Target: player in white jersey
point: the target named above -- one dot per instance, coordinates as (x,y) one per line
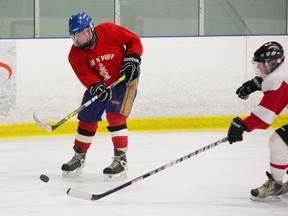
(272,79)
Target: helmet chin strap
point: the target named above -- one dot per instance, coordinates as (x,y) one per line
(267,68)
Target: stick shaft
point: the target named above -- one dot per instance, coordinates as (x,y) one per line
(83,195)
(50,128)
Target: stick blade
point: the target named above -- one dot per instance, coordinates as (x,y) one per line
(74,192)
(42,124)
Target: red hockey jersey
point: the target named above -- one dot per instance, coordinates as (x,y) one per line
(103,63)
(274,101)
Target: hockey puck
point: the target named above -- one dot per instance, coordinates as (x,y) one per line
(44,178)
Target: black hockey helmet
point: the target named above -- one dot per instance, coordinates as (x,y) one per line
(269,51)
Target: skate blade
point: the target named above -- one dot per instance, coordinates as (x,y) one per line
(115,177)
(267,199)
(67,174)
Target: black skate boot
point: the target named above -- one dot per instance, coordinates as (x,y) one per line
(75,164)
(285,189)
(270,191)
(118,168)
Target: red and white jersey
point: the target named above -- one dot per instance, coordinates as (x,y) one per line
(274,101)
(103,63)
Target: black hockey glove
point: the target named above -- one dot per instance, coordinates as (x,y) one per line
(236,130)
(248,87)
(101,91)
(130,68)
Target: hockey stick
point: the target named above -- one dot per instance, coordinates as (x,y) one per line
(74,192)
(50,128)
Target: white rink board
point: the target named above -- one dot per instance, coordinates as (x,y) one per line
(180,76)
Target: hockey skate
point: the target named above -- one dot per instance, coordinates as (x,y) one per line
(270,191)
(75,165)
(285,190)
(118,168)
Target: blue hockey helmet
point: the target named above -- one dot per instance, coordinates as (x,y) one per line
(79,23)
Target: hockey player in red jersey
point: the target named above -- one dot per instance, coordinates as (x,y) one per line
(99,56)
(272,80)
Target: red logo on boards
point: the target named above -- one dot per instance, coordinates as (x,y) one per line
(7,68)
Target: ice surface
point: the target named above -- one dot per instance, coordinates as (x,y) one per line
(216,182)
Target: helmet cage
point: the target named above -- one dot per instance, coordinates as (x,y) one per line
(74,37)
(262,69)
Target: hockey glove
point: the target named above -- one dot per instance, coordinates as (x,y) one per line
(236,130)
(248,87)
(130,68)
(101,91)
